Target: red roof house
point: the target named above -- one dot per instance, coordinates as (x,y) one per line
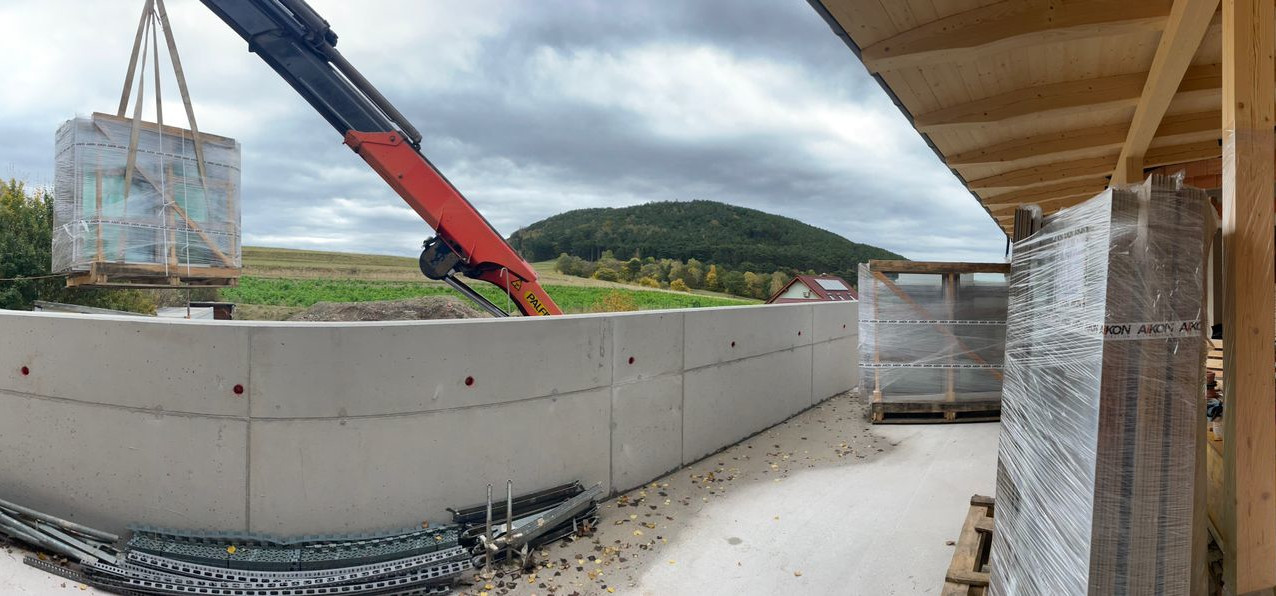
(815,288)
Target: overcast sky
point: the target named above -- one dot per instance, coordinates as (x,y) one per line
(530,108)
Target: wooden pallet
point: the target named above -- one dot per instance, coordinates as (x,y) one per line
(125,275)
(968,571)
(930,412)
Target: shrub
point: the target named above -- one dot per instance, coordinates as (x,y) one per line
(606,274)
(679,285)
(615,301)
(649,282)
(26,245)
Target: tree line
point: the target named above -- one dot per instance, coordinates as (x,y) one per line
(734,238)
(674,274)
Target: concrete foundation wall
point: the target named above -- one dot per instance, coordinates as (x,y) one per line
(319,427)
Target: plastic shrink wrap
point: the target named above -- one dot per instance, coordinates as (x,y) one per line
(931,337)
(1102,398)
(169,223)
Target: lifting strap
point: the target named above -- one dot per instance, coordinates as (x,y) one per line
(155,16)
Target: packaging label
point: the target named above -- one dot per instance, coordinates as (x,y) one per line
(1150,330)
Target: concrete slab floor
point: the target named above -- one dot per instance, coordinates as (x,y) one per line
(18,578)
(823,503)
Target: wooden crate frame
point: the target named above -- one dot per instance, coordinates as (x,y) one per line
(124,275)
(931,411)
(105,273)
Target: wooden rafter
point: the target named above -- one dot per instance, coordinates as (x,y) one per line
(1039,194)
(1184,30)
(1069,97)
(1042,174)
(1047,205)
(1111,136)
(1092,166)
(1010,25)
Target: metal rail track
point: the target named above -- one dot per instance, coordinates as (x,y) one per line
(409,561)
(326,555)
(436,575)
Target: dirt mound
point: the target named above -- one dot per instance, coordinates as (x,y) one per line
(412,309)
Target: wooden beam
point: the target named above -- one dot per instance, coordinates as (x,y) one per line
(1069,97)
(1249,451)
(1009,25)
(1095,166)
(1111,136)
(1186,27)
(1047,206)
(1172,154)
(895,266)
(1042,174)
(1129,168)
(1038,194)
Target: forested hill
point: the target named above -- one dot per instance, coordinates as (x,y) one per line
(735,237)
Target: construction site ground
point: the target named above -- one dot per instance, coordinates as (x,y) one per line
(823,503)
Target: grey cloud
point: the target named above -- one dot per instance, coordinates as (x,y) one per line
(521,151)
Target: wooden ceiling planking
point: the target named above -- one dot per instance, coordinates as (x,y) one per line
(1074,96)
(1094,166)
(1006,112)
(1011,25)
(1175,128)
(864,21)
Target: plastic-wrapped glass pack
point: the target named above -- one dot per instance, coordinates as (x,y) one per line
(931,337)
(169,223)
(1102,404)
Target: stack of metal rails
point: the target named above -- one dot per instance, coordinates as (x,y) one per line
(527,523)
(417,561)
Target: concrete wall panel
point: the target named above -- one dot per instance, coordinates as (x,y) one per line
(652,340)
(360,473)
(728,402)
(754,331)
(106,466)
(126,361)
(646,430)
(359,426)
(836,368)
(377,369)
(834,320)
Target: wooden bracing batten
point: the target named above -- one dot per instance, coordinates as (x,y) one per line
(931,348)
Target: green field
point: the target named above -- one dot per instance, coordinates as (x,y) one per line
(278,282)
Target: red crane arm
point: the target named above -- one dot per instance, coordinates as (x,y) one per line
(301,47)
(486,255)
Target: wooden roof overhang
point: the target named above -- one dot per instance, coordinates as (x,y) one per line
(1045,101)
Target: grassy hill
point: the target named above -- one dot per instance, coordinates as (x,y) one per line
(278,282)
(737,237)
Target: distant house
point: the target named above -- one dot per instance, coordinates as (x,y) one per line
(815,288)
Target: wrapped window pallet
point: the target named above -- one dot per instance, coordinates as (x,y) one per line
(163,224)
(931,341)
(1102,407)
